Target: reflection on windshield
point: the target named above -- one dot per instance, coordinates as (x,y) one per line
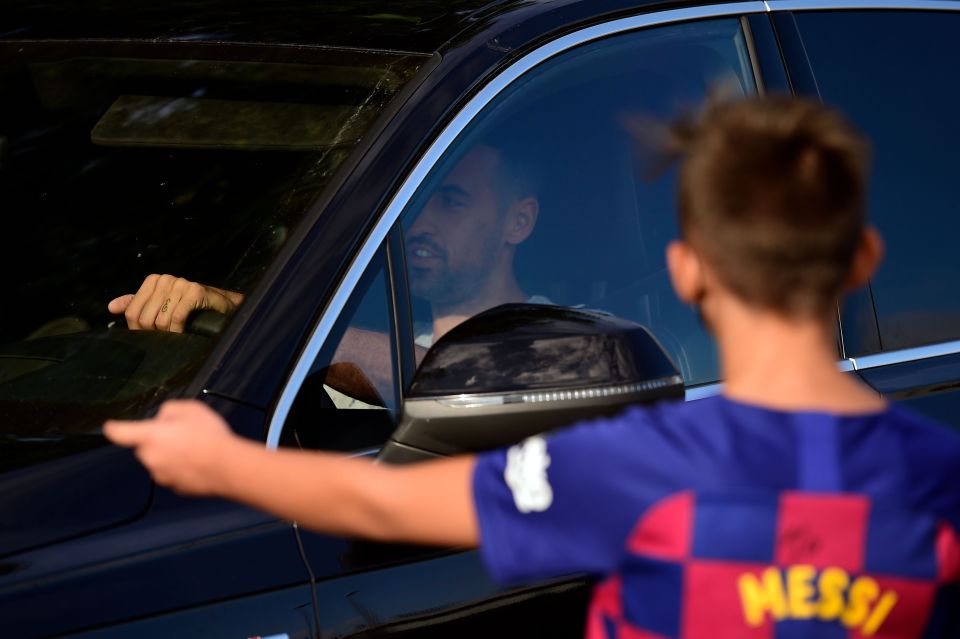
(117,161)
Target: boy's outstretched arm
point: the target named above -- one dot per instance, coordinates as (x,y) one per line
(190,448)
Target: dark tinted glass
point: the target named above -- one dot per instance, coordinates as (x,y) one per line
(548,198)
(895,75)
(118,160)
(349,399)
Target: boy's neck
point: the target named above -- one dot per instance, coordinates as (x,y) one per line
(784,363)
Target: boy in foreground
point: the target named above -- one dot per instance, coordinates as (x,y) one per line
(798,502)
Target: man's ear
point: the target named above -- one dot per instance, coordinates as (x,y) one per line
(520,220)
(866,259)
(686,272)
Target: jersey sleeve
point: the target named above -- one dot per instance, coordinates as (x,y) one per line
(565,503)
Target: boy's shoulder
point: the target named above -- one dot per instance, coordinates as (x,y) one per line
(933,447)
(676,421)
(912,422)
(674,443)
(718,411)
(718,426)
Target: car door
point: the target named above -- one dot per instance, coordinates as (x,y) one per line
(891,71)
(560,127)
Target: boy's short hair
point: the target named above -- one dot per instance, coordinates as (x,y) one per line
(772,194)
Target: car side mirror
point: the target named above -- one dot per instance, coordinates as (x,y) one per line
(521,369)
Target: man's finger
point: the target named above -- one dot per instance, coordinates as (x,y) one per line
(124,433)
(132,313)
(190,298)
(168,312)
(119,304)
(174,408)
(158,304)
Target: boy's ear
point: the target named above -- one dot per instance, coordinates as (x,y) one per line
(866,259)
(521,219)
(686,272)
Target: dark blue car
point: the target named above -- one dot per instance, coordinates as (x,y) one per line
(289,153)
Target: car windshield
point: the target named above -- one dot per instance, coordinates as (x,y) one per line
(118,160)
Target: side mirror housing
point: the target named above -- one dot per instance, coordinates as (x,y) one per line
(521,369)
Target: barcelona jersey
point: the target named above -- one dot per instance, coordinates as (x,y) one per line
(715,519)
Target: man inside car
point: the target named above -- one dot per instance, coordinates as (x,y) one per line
(460,258)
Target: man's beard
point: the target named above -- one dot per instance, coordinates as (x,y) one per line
(446,288)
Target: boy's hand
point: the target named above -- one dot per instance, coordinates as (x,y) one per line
(189,448)
(164,302)
(183,447)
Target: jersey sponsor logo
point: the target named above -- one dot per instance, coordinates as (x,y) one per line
(526,475)
(801,592)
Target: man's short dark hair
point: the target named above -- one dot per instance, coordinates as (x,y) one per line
(517,170)
(772,194)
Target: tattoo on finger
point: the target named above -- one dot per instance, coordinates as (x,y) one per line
(163,309)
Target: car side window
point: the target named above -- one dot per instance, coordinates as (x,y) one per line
(548,197)
(349,399)
(893,73)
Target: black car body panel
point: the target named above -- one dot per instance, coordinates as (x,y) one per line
(227,551)
(41,501)
(89,547)
(419,26)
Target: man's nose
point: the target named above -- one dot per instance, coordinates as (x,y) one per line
(426,220)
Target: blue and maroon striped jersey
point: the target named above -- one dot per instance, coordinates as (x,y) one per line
(721,519)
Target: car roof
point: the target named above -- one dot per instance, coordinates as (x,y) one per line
(417,26)
(420,26)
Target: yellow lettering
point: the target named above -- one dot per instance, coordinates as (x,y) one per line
(761,596)
(800,590)
(879,614)
(863,592)
(833,582)
(829,595)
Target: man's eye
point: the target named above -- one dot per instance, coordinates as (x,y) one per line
(453,202)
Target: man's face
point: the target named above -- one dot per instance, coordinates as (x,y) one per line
(457,238)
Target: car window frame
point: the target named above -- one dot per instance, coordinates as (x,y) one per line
(400,337)
(492,87)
